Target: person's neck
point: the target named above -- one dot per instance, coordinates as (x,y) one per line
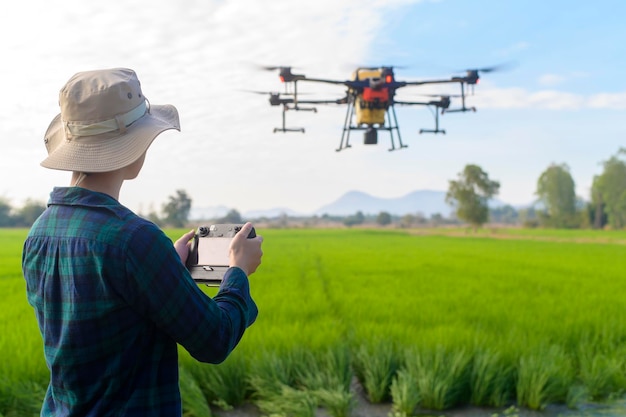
(109,183)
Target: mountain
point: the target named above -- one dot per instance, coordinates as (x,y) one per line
(427,202)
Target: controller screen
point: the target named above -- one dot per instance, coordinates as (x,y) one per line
(213,251)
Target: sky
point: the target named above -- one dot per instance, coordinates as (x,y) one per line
(559,98)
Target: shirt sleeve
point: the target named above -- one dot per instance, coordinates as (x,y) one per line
(162,290)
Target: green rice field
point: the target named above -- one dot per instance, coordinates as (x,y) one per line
(423,320)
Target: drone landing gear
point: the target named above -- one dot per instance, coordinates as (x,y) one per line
(285,129)
(292,129)
(463,107)
(436,129)
(393,125)
(346,127)
(370,136)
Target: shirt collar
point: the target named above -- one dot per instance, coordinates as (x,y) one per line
(77,196)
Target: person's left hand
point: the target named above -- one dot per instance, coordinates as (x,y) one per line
(182,245)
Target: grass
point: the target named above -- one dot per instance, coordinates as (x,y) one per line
(421,320)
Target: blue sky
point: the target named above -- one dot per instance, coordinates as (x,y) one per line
(561,99)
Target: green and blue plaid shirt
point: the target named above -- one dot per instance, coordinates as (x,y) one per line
(113,299)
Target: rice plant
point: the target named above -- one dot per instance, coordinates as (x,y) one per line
(404,394)
(289,402)
(544,377)
(269,374)
(376,365)
(441,375)
(533,319)
(194,402)
(225,385)
(603,374)
(324,370)
(491,379)
(337,402)
(23,398)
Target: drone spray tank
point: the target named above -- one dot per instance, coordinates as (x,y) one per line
(372,104)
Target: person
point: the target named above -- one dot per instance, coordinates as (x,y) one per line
(110,291)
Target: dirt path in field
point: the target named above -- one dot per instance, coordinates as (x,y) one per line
(365,409)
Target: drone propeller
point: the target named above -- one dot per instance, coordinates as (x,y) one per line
(261,92)
(284,72)
(272,67)
(276,93)
(493,68)
(486,69)
(440,95)
(473,75)
(272,93)
(277,67)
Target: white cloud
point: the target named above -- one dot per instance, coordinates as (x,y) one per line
(608,101)
(519,98)
(556,79)
(554,100)
(551,79)
(198,55)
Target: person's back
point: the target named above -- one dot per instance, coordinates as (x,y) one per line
(113,298)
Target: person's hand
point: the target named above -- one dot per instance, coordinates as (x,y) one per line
(182,245)
(245,253)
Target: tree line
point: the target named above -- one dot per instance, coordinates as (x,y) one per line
(557,205)
(174,213)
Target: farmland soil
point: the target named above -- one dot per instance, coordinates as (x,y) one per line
(366,409)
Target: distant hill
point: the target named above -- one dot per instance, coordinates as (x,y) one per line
(427,202)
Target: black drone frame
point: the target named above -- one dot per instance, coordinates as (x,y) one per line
(355,87)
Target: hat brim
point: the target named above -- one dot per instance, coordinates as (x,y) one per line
(104,153)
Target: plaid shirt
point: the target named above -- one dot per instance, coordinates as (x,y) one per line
(113,299)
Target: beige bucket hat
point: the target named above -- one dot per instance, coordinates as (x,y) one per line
(106,123)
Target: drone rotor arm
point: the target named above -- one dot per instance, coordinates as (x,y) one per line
(336,101)
(451,80)
(325,81)
(411,103)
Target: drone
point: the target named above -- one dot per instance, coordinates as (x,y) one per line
(370,99)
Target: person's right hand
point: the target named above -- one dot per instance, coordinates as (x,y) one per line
(245,253)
